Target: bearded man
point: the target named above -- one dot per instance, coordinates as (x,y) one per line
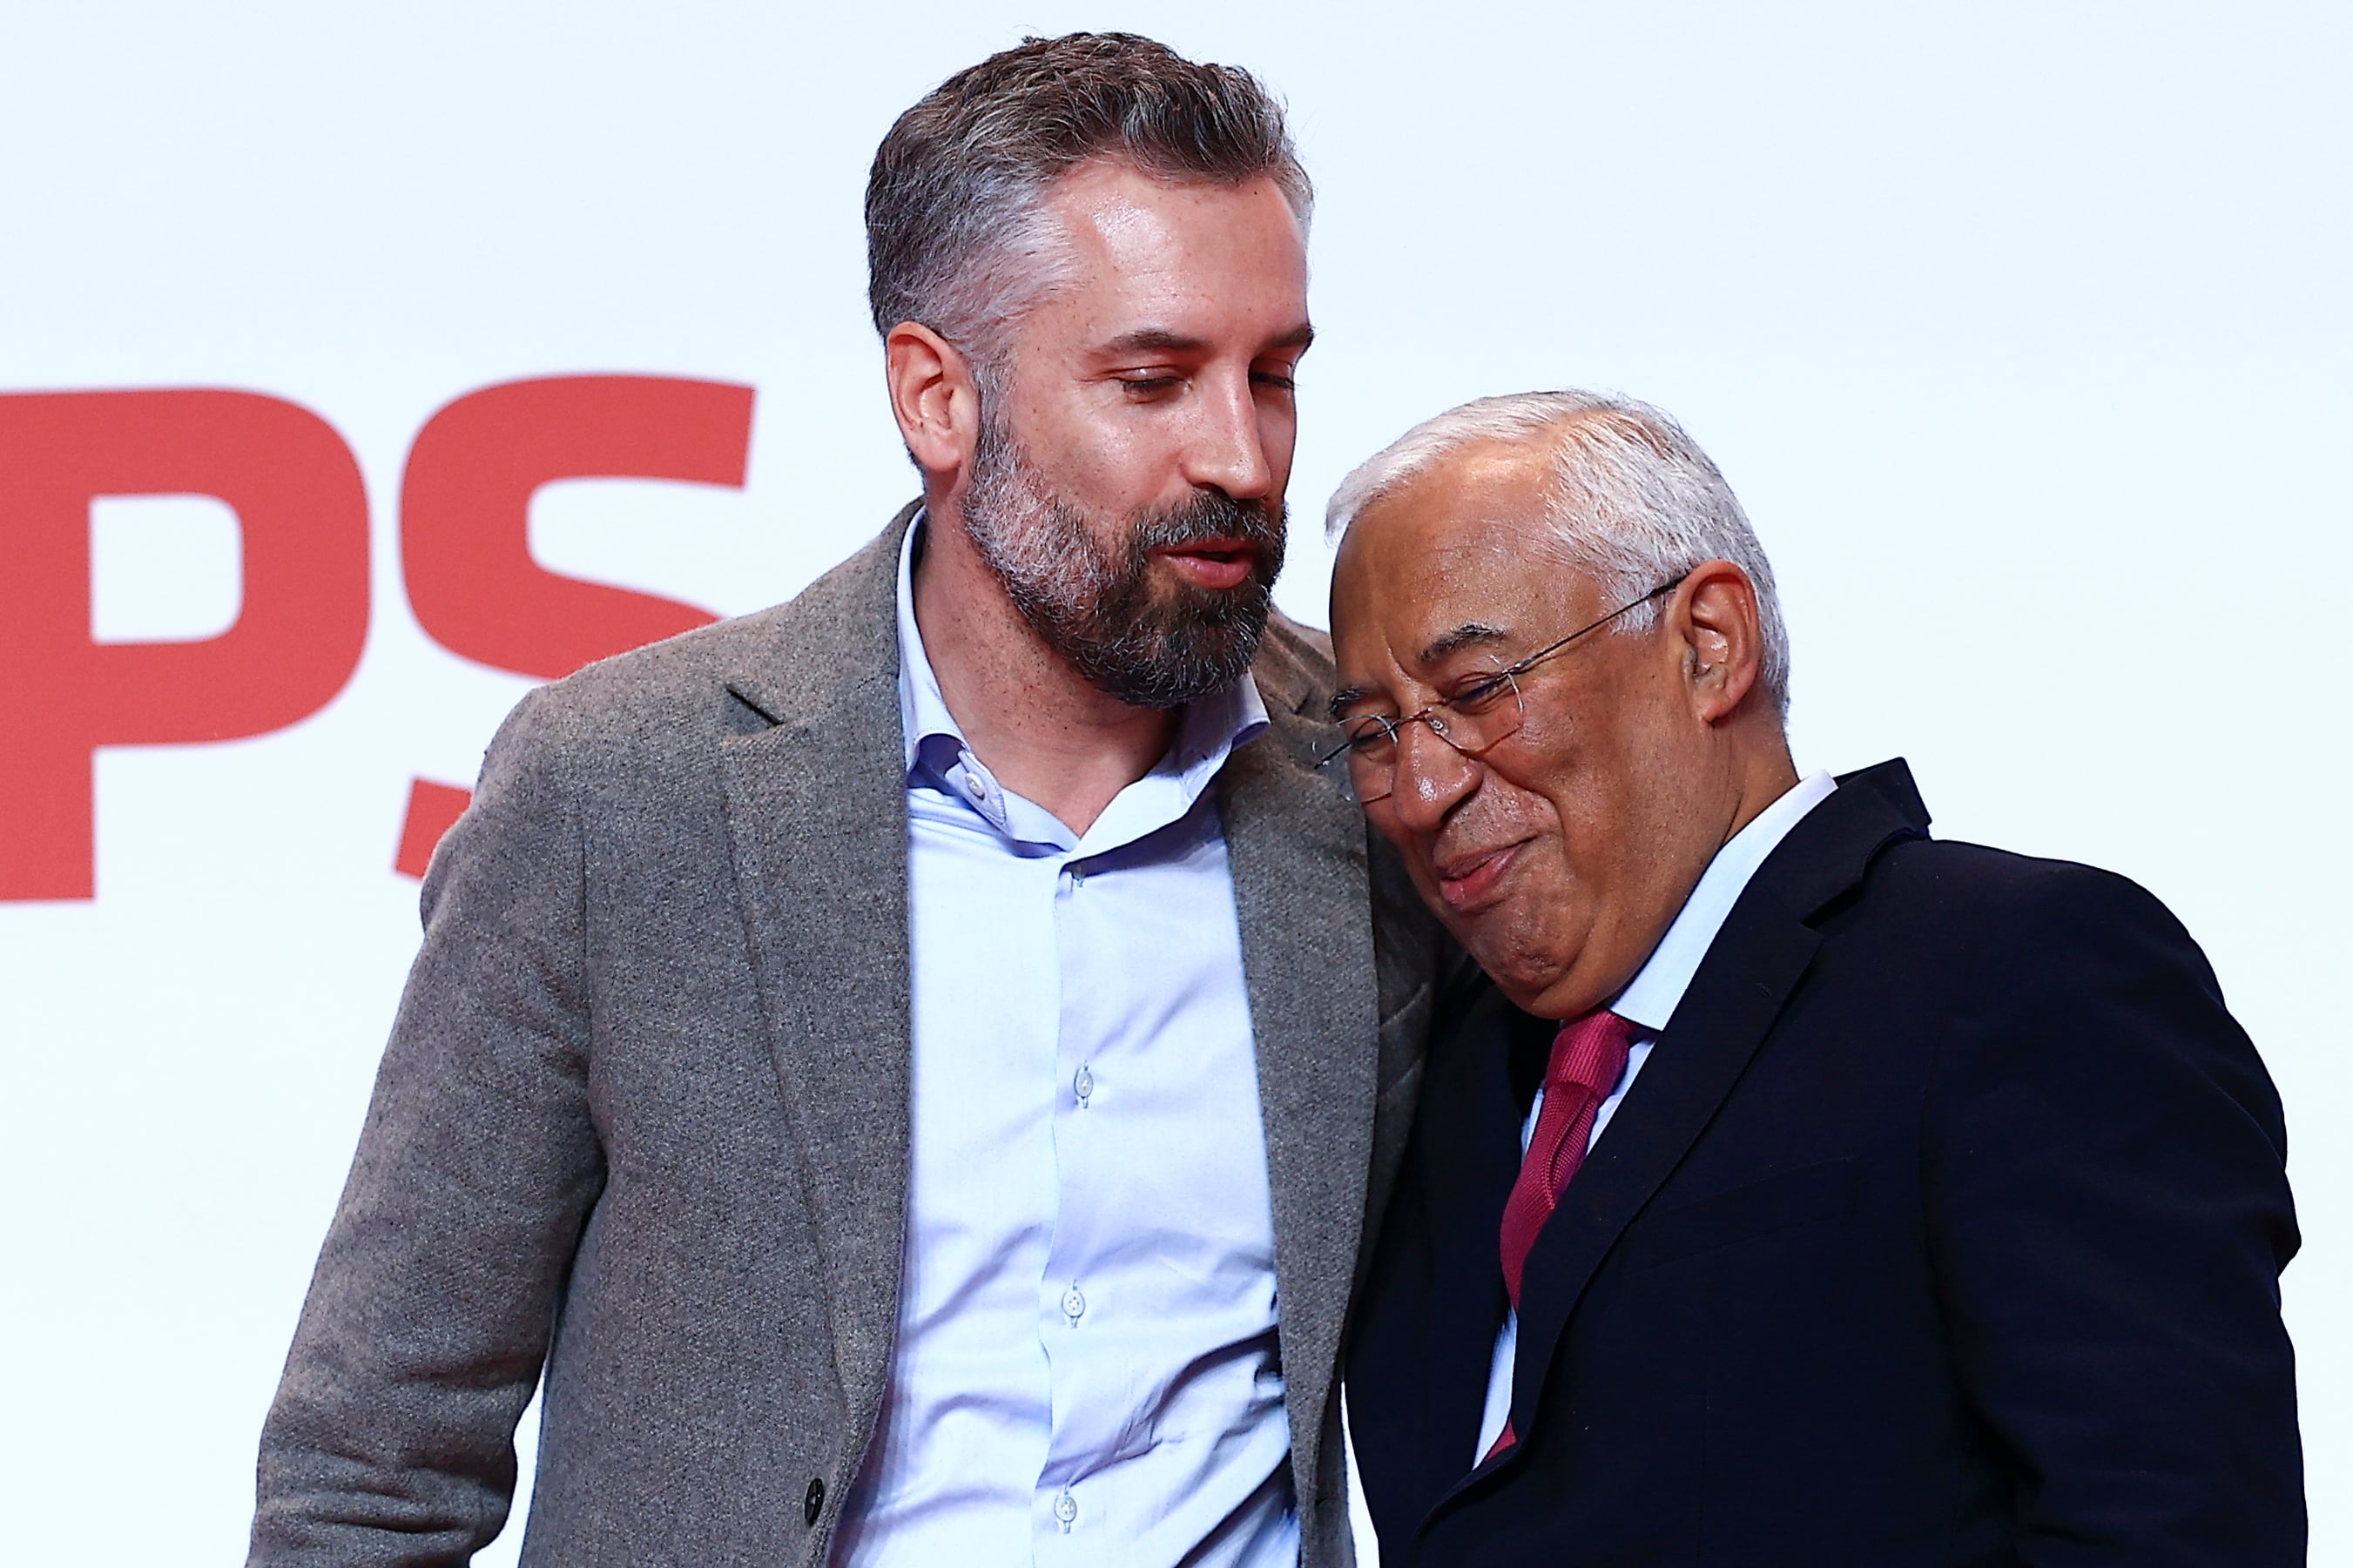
(889,1054)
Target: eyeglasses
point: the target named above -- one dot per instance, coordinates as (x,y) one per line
(1471,720)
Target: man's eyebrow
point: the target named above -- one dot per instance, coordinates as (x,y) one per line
(1161,340)
(1155,340)
(1470,634)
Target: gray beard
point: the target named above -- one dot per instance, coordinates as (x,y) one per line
(1151,645)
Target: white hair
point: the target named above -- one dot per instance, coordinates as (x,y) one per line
(1634,502)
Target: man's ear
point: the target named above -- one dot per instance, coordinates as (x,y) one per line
(1713,618)
(933,397)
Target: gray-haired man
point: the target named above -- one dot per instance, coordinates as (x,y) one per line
(889,1054)
(1806,1191)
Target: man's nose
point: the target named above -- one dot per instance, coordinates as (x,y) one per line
(1228,448)
(1433,777)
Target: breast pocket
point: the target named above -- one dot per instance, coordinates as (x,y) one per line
(1779,1202)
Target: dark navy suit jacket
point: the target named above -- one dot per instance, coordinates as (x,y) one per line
(1942,1229)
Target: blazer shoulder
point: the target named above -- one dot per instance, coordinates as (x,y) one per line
(2018,933)
(733,675)
(1979,884)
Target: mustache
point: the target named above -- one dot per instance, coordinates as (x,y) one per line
(1212,515)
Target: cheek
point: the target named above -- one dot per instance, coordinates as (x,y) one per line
(1277,433)
(1090,454)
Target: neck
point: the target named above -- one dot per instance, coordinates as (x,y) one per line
(1031,718)
(1762,774)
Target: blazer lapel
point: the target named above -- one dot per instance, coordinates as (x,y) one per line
(1701,1055)
(1470,1187)
(1298,853)
(817,816)
(1756,959)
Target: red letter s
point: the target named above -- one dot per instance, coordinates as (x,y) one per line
(465,505)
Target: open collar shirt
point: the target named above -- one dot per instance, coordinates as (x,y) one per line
(1085,1369)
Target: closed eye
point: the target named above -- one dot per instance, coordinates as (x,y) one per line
(1480,694)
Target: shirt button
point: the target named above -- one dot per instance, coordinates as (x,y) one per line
(1066,1508)
(1083,1085)
(1074,1304)
(974,787)
(813,1501)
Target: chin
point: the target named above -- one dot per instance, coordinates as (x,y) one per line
(1523,980)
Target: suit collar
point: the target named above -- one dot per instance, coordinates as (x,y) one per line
(1825,856)
(835,644)
(1651,998)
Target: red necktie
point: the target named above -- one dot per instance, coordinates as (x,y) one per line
(1588,1056)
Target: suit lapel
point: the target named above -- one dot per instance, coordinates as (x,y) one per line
(1757,959)
(1298,853)
(1471,1184)
(1696,1061)
(818,822)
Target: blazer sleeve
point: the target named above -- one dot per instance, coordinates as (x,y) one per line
(2108,1216)
(391,1440)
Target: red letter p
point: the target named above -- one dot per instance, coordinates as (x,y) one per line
(297,639)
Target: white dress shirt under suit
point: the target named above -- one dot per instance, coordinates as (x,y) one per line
(1085,1370)
(1648,1000)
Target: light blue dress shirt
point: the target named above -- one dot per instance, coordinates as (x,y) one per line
(1648,1000)
(1085,1370)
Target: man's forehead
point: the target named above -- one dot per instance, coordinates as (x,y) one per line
(1481,484)
(1451,534)
(1424,618)
(1458,559)
(1121,206)
(1182,257)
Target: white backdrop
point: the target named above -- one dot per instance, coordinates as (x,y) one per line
(2023,332)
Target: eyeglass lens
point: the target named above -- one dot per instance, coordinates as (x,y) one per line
(1470,722)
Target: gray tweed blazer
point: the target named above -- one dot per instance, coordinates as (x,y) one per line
(643,1118)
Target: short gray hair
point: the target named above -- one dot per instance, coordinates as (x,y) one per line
(958,238)
(1635,503)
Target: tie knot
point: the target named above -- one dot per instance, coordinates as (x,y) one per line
(1589,1052)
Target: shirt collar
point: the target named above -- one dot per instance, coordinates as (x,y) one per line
(1208,730)
(1651,997)
(922,712)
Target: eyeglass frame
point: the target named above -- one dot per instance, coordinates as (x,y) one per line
(1508,677)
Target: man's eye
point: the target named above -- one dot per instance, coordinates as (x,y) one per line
(1481,695)
(1275,379)
(1149,385)
(1366,736)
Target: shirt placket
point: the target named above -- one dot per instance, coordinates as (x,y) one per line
(1073,1522)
